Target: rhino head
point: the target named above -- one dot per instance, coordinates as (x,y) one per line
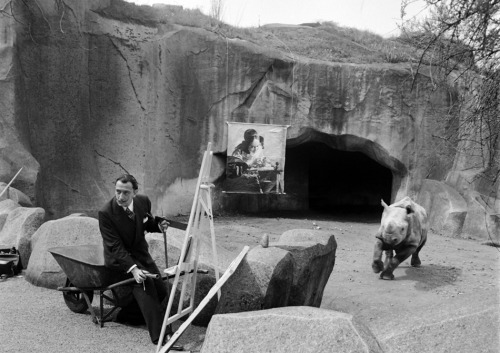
(395,223)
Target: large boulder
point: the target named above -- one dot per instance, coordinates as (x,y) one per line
(43,270)
(78,214)
(289,329)
(482,221)
(262,281)
(15,195)
(6,206)
(446,208)
(314,254)
(20,225)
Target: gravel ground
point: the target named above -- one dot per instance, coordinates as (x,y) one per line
(34,319)
(453,295)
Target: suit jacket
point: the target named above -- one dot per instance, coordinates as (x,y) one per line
(123,239)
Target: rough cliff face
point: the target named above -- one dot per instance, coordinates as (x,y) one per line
(88,94)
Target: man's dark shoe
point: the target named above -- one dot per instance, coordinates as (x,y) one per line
(175,347)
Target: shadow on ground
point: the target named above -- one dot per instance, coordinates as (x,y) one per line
(431,276)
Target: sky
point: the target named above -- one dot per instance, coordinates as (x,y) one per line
(378,16)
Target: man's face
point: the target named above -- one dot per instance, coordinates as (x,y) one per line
(124,193)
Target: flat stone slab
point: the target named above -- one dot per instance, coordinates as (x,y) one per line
(291,329)
(462,333)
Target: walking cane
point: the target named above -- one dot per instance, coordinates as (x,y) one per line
(164,231)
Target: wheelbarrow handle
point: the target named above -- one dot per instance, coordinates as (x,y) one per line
(111,286)
(132,280)
(153,275)
(171,223)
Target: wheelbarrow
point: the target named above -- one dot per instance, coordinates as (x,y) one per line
(86,274)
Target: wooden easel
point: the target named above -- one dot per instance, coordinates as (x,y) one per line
(216,288)
(188,261)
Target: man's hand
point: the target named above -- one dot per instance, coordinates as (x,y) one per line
(164,225)
(139,275)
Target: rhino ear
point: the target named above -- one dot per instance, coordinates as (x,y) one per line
(409,209)
(383,204)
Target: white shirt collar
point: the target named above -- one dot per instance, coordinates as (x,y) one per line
(131,206)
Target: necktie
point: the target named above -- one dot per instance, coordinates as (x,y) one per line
(129,213)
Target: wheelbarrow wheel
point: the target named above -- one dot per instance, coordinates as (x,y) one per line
(75,301)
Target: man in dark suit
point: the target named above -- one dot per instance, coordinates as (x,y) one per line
(123,222)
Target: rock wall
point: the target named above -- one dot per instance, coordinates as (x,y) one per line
(15,148)
(92,91)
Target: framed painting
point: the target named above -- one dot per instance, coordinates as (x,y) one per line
(255,158)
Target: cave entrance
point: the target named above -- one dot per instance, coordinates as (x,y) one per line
(337,181)
(341,174)
(332,175)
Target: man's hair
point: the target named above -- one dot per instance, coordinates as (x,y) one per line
(127,178)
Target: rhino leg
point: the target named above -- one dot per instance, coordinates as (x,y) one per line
(386,274)
(388,257)
(389,265)
(415,260)
(377,264)
(394,262)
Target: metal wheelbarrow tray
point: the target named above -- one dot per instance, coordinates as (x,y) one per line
(86,273)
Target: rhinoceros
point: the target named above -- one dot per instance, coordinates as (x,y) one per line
(403,230)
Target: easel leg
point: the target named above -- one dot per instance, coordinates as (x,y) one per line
(186,261)
(212,234)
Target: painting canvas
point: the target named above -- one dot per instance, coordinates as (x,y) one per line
(255,158)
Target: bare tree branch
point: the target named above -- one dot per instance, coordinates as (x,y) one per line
(460,40)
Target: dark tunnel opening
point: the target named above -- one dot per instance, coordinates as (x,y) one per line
(335,181)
